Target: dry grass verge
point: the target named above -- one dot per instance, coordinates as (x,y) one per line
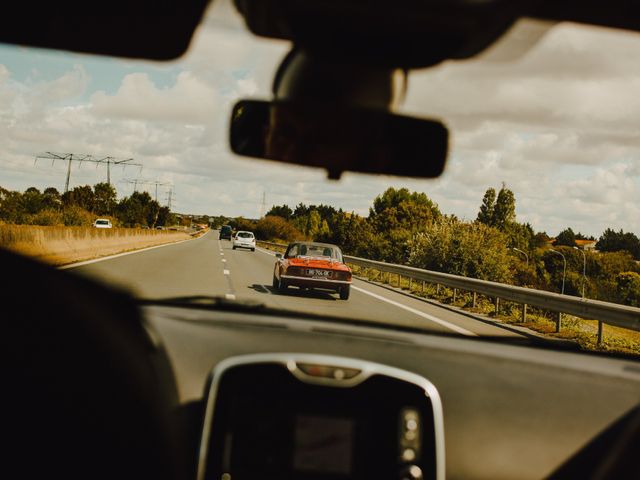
(64,245)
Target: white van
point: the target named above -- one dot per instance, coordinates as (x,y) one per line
(102,223)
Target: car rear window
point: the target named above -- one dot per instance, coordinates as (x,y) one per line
(245,235)
(320,251)
(102,222)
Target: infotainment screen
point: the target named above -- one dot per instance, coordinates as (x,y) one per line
(323,445)
(269,424)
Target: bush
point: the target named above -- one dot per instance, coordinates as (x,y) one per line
(74,216)
(276,228)
(48,218)
(628,288)
(243,224)
(523,274)
(468,249)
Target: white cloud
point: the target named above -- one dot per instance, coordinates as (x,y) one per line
(189,100)
(4,73)
(558,126)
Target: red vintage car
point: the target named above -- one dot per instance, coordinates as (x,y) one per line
(312,265)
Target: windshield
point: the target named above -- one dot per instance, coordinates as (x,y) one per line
(541,189)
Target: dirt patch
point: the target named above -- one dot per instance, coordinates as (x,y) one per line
(64,245)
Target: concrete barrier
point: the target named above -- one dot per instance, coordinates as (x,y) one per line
(63,245)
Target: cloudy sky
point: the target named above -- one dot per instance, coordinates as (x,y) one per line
(559,125)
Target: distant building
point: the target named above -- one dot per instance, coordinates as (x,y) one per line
(586,245)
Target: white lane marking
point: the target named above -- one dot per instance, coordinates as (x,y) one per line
(437,320)
(109,257)
(224,260)
(221,253)
(226,272)
(230,296)
(266,251)
(266,290)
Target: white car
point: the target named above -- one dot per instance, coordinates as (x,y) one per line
(243,239)
(102,223)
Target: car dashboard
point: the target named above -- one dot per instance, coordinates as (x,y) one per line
(508,411)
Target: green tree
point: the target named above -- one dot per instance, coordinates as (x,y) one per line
(504,212)
(137,210)
(554,265)
(52,199)
(314,222)
(81,196)
(541,239)
(326,211)
(602,271)
(582,236)
(217,222)
(11,206)
(612,241)
(353,234)
(486,213)
(276,229)
(300,211)
(104,201)
(280,211)
(628,288)
(401,209)
(604,267)
(393,198)
(324,229)
(520,235)
(460,248)
(240,223)
(566,238)
(32,201)
(395,217)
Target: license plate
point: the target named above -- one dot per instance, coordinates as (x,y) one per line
(319,273)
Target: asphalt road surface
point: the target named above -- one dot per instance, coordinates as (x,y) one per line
(210,267)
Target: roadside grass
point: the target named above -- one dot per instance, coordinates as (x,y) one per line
(59,245)
(273,248)
(583,332)
(14,234)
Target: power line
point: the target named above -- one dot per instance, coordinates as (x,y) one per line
(151,183)
(170,198)
(78,157)
(263,205)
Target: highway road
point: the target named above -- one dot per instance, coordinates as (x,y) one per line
(208,266)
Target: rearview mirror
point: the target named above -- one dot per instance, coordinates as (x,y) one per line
(278,255)
(339,138)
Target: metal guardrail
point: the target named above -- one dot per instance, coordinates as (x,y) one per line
(272,244)
(605,312)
